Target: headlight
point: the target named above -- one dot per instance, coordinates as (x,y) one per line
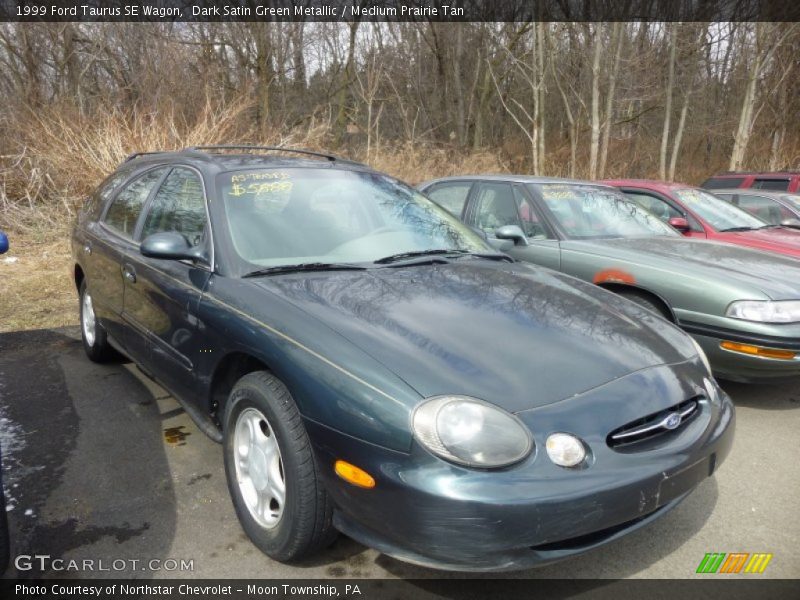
(470,432)
(765,311)
(565,450)
(701,353)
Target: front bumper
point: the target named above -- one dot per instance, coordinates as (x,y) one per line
(426,511)
(737,366)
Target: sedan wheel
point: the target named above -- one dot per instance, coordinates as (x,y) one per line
(88,319)
(272,474)
(259,468)
(95,340)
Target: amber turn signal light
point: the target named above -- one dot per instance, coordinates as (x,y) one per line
(352,474)
(758,350)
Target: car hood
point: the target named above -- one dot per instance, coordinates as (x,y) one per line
(777,277)
(511,334)
(779,239)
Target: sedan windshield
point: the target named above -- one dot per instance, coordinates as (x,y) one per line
(299,216)
(587,211)
(721,215)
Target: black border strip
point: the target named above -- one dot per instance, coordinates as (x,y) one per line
(753,586)
(399,10)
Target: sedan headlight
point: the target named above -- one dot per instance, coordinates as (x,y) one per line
(701,353)
(470,432)
(765,311)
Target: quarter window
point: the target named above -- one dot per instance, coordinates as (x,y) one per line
(126,207)
(179,206)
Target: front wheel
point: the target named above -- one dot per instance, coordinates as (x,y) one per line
(95,340)
(647,302)
(271,472)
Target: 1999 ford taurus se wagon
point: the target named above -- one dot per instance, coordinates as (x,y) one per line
(372,366)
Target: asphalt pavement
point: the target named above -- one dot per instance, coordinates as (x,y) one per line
(102,465)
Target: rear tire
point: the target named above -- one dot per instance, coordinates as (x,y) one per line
(647,302)
(271,471)
(95,339)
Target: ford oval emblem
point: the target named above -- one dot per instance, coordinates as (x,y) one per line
(672,421)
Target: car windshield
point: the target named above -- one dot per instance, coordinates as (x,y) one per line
(587,211)
(718,213)
(279,217)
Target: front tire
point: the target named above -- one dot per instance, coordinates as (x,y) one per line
(95,339)
(647,302)
(271,471)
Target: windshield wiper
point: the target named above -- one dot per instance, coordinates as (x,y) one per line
(490,256)
(738,229)
(404,255)
(315,266)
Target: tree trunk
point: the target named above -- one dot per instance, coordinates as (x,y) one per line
(662,163)
(676,144)
(612,84)
(595,123)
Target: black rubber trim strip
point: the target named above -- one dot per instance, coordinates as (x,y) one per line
(723,333)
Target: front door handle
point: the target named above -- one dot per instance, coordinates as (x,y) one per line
(129,273)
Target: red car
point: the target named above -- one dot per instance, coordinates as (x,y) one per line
(699,214)
(778,181)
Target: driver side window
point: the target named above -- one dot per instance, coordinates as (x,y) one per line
(179,206)
(495,206)
(661,209)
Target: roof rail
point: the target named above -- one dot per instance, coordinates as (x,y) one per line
(786,172)
(329,157)
(137,154)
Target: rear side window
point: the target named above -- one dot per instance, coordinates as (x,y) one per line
(779,185)
(104,191)
(450,196)
(179,206)
(126,207)
(720,183)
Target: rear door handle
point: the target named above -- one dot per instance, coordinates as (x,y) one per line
(129,273)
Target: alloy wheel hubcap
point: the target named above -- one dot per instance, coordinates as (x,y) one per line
(259,467)
(88,319)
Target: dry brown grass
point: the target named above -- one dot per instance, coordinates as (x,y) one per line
(36,290)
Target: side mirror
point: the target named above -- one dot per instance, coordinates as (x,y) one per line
(793,223)
(513,233)
(171,245)
(680,224)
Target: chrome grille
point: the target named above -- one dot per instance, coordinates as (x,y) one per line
(663,422)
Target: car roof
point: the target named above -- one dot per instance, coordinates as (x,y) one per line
(514,179)
(229,158)
(653,184)
(738,174)
(755,192)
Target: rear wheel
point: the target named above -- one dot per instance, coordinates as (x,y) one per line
(95,340)
(271,472)
(646,301)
